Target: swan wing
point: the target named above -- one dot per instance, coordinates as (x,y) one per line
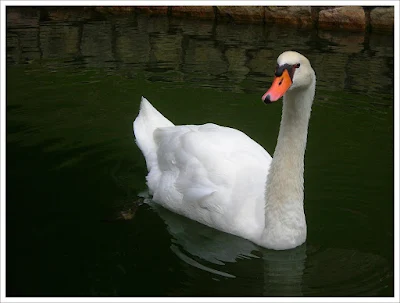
(208,173)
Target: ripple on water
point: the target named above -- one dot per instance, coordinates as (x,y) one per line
(304,271)
(345,272)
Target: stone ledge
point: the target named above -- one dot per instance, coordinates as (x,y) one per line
(242,14)
(153,10)
(382,18)
(345,18)
(201,12)
(115,10)
(300,16)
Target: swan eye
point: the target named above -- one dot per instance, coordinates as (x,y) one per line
(297,65)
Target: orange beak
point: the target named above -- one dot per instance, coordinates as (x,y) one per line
(278,88)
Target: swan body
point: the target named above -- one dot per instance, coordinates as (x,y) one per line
(220,177)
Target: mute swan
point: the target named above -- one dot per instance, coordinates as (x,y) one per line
(220,177)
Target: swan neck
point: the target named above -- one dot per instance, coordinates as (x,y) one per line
(293,131)
(285,225)
(285,177)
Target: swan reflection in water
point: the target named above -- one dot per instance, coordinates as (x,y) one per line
(306,270)
(220,253)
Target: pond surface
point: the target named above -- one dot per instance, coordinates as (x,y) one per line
(77,219)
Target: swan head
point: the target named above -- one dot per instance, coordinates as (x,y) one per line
(293,72)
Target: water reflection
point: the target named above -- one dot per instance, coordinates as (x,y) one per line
(277,273)
(304,271)
(203,242)
(202,52)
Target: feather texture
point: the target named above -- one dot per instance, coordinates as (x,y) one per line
(209,173)
(220,177)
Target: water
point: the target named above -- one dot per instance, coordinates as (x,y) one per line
(77,219)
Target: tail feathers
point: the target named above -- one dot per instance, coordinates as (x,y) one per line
(148,120)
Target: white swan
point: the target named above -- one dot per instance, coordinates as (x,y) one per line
(220,177)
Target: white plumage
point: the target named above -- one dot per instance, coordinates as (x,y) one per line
(218,176)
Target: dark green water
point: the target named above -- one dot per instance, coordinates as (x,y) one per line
(76,224)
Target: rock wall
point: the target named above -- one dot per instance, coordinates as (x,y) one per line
(348,18)
(186,50)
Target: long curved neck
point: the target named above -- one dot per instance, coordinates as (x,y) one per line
(285,178)
(285,224)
